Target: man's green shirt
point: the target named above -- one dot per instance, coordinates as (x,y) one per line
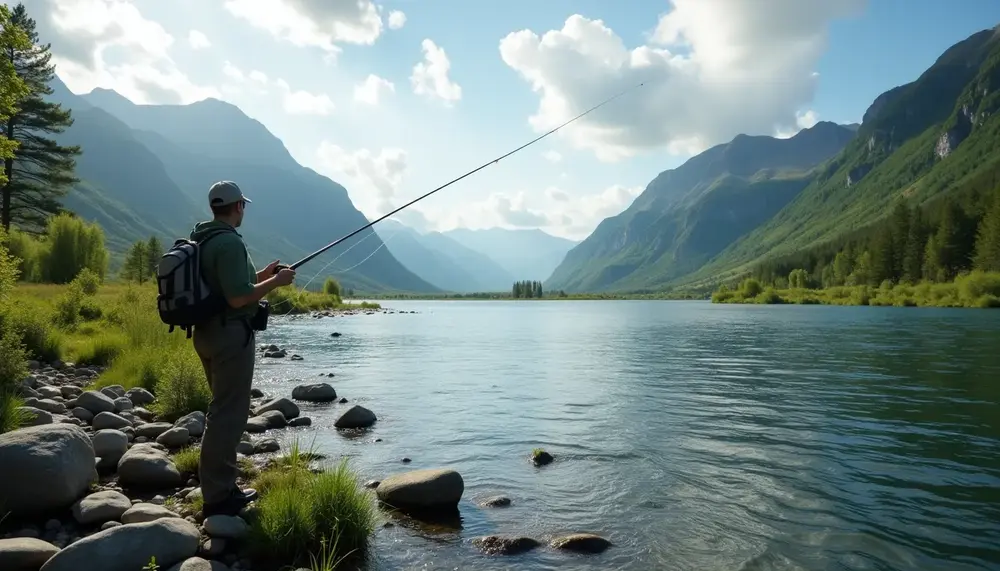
(226,265)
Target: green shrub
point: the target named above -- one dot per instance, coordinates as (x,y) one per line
(90,310)
(101,349)
(302,515)
(13,359)
(89,281)
(769,297)
(181,387)
(68,306)
(11,416)
(41,341)
(331,287)
(751,288)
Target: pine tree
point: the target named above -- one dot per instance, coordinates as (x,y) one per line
(883,256)
(843,265)
(538,290)
(12,89)
(41,171)
(933,266)
(136,261)
(901,219)
(988,240)
(154,251)
(913,251)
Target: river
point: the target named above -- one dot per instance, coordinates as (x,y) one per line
(693,436)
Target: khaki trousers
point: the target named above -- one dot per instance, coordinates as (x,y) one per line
(227,353)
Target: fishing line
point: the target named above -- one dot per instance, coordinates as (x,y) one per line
(344,270)
(447,184)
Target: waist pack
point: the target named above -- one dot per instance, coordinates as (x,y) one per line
(185,299)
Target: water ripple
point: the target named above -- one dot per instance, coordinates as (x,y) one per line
(695,437)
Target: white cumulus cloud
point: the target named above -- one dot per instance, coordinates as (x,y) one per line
(300,102)
(430,76)
(198,40)
(371,89)
(313,23)
(371,178)
(711,69)
(552,156)
(397,19)
(139,67)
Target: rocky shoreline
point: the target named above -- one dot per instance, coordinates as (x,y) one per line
(93,482)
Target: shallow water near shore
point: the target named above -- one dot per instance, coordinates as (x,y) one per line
(693,436)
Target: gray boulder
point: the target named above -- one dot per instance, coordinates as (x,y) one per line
(100,507)
(257,424)
(174,438)
(95,402)
(274,419)
(265,445)
(44,468)
(316,392)
(194,423)
(199,564)
(286,407)
(152,430)
(142,513)
(434,490)
(356,417)
(49,405)
(35,416)
(46,392)
(130,547)
(114,391)
(581,543)
(122,404)
(226,527)
(70,392)
(146,467)
(105,420)
(504,545)
(110,445)
(82,414)
(25,553)
(139,396)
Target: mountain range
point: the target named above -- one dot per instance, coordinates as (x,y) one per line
(754,198)
(145,170)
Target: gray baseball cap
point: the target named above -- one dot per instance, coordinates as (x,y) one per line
(225,192)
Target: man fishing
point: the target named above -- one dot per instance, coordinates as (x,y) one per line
(226,343)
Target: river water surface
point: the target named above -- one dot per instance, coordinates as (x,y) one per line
(693,436)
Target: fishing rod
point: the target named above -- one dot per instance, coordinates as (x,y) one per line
(447,184)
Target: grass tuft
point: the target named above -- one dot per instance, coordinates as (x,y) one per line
(305,516)
(188,460)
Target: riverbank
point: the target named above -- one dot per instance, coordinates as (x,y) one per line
(495,296)
(973,290)
(106,466)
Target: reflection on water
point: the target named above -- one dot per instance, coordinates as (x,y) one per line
(693,436)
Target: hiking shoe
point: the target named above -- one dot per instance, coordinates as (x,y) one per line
(232,505)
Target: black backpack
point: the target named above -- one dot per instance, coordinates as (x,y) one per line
(185,299)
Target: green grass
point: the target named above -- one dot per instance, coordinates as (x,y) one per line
(188,460)
(976,289)
(291,300)
(306,516)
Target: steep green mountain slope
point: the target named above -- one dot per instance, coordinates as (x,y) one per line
(688,214)
(129,203)
(524,254)
(441,261)
(295,210)
(916,142)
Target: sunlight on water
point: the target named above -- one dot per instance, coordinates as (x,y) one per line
(693,436)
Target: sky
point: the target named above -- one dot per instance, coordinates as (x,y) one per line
(395,98)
